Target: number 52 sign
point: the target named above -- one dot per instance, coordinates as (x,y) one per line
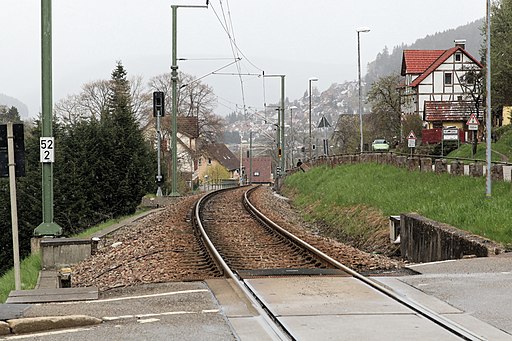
(46,148)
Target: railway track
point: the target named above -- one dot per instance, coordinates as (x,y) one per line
(245,244)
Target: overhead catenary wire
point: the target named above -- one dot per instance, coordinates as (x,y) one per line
(227,25)
(234,50)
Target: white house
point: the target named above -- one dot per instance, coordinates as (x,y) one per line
(434,88)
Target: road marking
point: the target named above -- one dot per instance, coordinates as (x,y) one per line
(57,332)
(134,297)
(148,321)
(432,263)
(167,313)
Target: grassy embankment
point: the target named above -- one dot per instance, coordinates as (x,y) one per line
(501,150)
(30,266)
(358,198)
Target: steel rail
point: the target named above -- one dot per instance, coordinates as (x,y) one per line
(418,308)
(275,326)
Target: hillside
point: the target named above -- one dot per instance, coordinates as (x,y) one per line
(387,63)
(342,98)
(13,102)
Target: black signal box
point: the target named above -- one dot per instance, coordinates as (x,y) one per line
(158,103)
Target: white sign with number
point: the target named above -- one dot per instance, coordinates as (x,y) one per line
(46,148)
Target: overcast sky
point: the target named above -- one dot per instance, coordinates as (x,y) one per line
(298,38)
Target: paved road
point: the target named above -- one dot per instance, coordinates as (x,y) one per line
(171,311)
(481,287)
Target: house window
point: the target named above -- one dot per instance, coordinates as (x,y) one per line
(448,78)
(256,173)
(458,57)
(209,161)
(200,161)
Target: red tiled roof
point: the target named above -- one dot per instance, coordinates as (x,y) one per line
(448,110)
(440,60)
(417,61)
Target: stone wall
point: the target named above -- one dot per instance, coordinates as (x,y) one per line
(426,240)
(415,163)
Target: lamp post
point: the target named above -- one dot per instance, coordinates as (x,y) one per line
(292,142)
(174,79)
(280,128)
(312,79)
(359,30)
(488,100)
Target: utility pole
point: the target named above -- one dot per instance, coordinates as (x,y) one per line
(48,227)
(250,157)
(280,127)
(174,79)
(488,100)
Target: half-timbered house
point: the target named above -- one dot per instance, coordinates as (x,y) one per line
(438,89)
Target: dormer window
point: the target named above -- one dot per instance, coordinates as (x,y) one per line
(448,78)
(458,57)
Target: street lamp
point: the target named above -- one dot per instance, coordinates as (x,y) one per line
(292,142)
(312,79)
(174,79)
(359,30)
(280,122)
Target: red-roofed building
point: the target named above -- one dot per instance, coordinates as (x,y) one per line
(261,170)
(433,88)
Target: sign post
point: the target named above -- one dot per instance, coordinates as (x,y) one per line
(14,206)
(472,123)
(411,141)
(449,134)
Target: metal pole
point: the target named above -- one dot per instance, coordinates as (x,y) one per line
(283,159)
(241,162)
(159,137)
(250,157)
(359,76)
(174,78)
(14,208)
(488,99)
(291,138)
(310,145)
(47,227)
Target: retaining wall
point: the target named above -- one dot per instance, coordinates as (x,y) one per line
(415,163)
(426,240)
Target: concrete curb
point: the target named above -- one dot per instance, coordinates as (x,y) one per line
(39,324)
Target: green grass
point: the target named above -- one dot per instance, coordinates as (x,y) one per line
(500,149)
(458,201)
(29,273)
(30,266)
(108,223)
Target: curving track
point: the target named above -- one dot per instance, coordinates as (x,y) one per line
(243,241)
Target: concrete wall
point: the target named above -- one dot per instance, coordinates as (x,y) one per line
(425,240)
(63,252)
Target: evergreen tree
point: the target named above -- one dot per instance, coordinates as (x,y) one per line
(501,53)
(130,164)
(9,115)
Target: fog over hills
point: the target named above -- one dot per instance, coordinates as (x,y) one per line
(342,99)
(13,102)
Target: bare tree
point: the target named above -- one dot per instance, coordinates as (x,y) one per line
(92,102)
(193,99)
(472,83)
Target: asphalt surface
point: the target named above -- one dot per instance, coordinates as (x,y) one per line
(167,311)
(481,287)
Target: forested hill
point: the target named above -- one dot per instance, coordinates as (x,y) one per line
(387,63)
